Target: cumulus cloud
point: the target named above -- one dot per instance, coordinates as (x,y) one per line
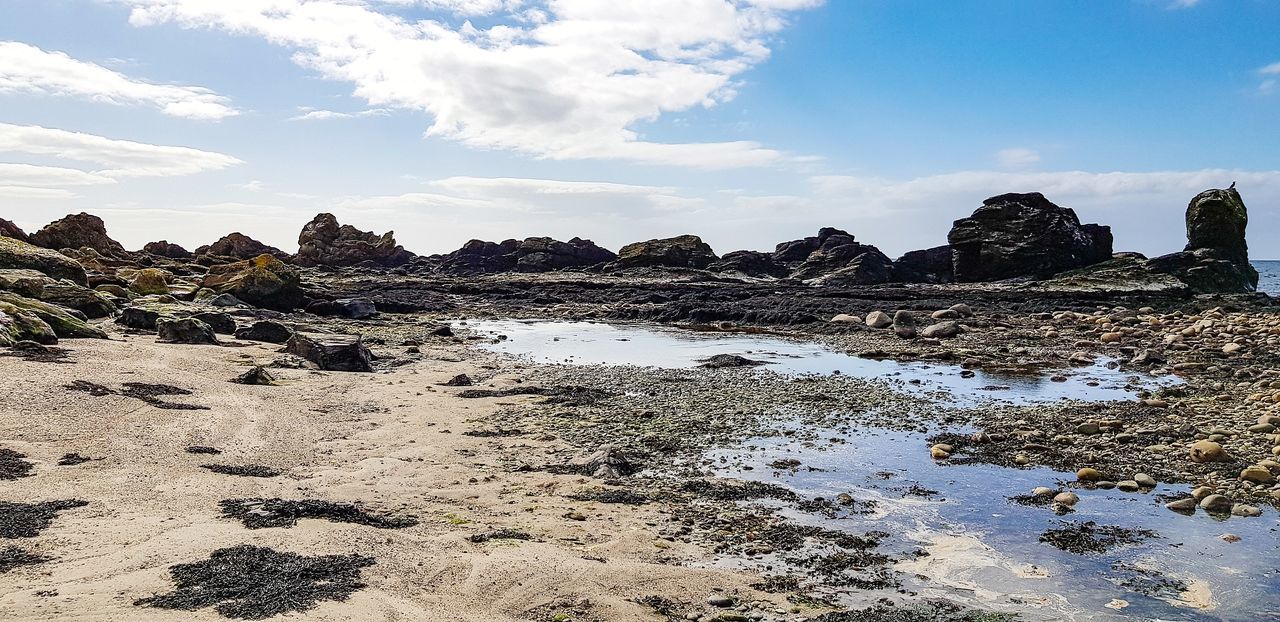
(27,69)
(120,158)
(559,79)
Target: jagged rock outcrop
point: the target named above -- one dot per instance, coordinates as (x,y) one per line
(749,263)
(546,254)
(78,231)
(164,248)
(324,242)
(15,253)
(10,230)
(240,246)
(685,251)
(832,251)
(931,265)
(1216,258)
(1024,235)
(540,254)
(263,281)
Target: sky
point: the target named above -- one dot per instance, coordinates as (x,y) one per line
(747,122)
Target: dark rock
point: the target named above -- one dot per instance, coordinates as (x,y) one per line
(685,251)
(1024,235)
(186,330)
(240,246)
(79,231)
(749,263)
(15,253)
(139,318)
(904,324)
(932,265)
(164,248)
(871,267)
(10,230)
(263,281)
(481,257)
(832,251)
(331,352)
(461,380)
(267,331)
(355,309)
(1216,258)
(720,361)
(323,242)
(545,254)
(255,376)
(607,463)
(221,323)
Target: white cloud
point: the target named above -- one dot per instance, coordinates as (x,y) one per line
(40,194)
(26,69)
(1270,70)
(1183,4)
(1271,78)
(1017,157)
(121,158)
(36,175)
(313,114)
(559,79)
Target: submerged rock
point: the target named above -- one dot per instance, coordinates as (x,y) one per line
(79,231)
(332,352)
(1024,235)
(323,242)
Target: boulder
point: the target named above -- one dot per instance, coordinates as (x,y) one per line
(685,251)
(1024,235)
(140,318)
(879,319)
(79,231)
(941,330)
(331,352)
(904,324)
(186,330)
(15,253)
(150,281)
(92,304)
(256,376)
(18,325)
(324,242)
(263,281)
(240,246)
(351,308)
(10,230)
(267,331)
(546,254)
(64,322)
(931,265)
(749,263)
(22,282)
(221,323)
(164,248)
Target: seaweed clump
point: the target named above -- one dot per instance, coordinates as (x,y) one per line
(256,583)
(264,513)
(149,393)
(27,520)
(1091,538)
(12,557)
(247,470)
(932,612)
(12,465)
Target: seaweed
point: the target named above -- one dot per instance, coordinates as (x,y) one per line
(11,557)
(1091,538)
(247,470)
(12,465)
(264,513)
(27,520)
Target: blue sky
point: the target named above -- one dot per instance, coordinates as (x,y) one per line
(748,122)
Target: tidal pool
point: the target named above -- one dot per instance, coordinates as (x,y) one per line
(982,549)
(593,343)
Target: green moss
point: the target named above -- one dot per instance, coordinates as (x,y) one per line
(63,324)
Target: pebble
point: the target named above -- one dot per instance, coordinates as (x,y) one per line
(1257,474)
(1207,451)
(1128,486)
(1088,474)
(879,319)
(1216,503)
(1066,498)
(1042,491)
(1183,505)
(1144,480)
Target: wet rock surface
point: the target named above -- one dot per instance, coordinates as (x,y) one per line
(1015,235)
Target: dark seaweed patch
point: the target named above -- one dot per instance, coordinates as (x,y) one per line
(568,396)
(1091,538)
(73,459)
(933,612)
(12,557)
(263,513)
(149,393)
(12,465)
(246,470)
(33,352)
(494,432)
(499,534)
(255,583)
(201,449)
(27,520)
(610,495)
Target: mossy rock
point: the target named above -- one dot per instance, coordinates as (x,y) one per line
(19,254)
(263,281)
(150,281)
(17,324)
(63,323)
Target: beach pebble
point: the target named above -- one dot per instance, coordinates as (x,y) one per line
(1257,474)
(1183,505)
(1088,474)
(1066,498)
(1248,511)
(879,319)
(1144,480)
(1128,486)
(1216,503)
(1207,451)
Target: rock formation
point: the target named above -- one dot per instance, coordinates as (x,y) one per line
(78,231)
(685,251)
(240,246)
(15,253)
(834,251)
(263,281)
(323,242)
(1216,258)
(164,248)
(931,265)
(10,230)
(540,254)
(1024,235)
(749,263)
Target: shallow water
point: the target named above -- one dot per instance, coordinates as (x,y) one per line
(591,343)
(983,550)
(1268,277)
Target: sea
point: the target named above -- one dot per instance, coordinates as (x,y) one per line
(1268,276)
